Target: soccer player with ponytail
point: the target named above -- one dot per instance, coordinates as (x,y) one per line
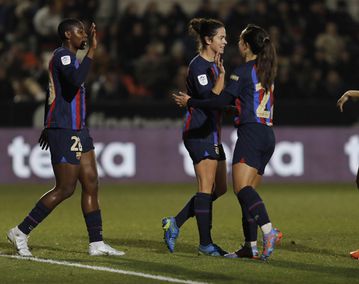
(202,135)
(250,93)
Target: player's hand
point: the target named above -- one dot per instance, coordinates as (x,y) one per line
(181,99)
(342,100)
(43,140)
(93,38)
(219,62)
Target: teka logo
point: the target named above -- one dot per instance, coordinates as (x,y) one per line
(114,159)
(287,159)
(351,148)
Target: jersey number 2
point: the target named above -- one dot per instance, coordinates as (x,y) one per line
(76,146)
(261,109)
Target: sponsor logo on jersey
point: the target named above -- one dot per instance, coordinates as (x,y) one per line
(234,77)
(202,79)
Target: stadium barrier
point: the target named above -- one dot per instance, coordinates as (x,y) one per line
(158,155)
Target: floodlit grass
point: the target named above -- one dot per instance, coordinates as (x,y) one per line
(319,223)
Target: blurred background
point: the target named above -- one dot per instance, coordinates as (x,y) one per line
(142,57)
(144,51)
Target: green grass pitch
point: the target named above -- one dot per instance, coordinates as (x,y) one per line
(319,223)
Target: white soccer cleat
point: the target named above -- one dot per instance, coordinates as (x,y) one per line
(100,248)
(19,240)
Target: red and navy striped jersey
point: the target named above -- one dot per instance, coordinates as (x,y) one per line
(244,92)
(65,101)
(252,102)
(201,123)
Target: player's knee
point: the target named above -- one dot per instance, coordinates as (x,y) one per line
(90,182)
(239,187)
(66,191)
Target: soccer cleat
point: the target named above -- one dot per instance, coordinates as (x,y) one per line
(279,237)
(355,254)
(211,250)
(170,232)
(244,252)
(100,248)
(19,241)
(269,242)
(221,251)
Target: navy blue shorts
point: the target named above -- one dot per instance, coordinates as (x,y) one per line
(200,150)
(255,145)
(67,145)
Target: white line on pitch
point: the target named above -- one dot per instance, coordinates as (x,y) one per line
(104,268)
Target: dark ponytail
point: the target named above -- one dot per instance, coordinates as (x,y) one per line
(201,28)
(262,46)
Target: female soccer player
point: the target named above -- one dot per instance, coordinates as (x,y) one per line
(71,146)
(250,91)
(202,137)
(340,103)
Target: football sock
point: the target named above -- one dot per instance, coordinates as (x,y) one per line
(249,226)
(250,244)
(35,217)
(256,208)
(214,196)
(186,213)
(94,225)
(266,228)
(202,205)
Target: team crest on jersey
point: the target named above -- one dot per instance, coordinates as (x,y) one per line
(202,79)
(78,155)
(65,60)
(234,77)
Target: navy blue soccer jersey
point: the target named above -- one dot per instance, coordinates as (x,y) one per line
(201,123)
(252,102)
(65,102)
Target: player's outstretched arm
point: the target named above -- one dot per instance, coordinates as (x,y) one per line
(345,97)
(216,102)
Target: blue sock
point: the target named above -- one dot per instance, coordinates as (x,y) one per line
(256,208)
(35,217)
(94,225)
(186,213)
(202,208)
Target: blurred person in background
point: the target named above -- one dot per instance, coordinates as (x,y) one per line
(202,136)
(71,146)
(340,103)
(7,91)
(46,21)
(250,92)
